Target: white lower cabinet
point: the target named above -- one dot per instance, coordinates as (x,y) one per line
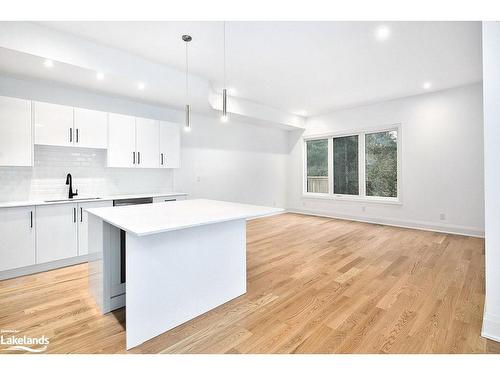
(32,237)
(56,232)
(83,222)
(17,234)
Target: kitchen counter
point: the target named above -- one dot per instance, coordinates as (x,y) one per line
(179,259)
(142,220)
(40,202)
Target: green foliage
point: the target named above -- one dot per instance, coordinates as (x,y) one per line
(381,164)
(345,165)
(317,157)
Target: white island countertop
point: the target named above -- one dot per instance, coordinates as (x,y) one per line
(147,219)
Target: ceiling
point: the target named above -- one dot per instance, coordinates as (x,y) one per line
(306,67)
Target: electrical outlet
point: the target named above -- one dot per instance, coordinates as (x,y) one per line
(363,208)
(442,216)
(198,178)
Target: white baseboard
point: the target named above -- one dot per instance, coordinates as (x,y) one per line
(36,268)
(491,327)
(421,225)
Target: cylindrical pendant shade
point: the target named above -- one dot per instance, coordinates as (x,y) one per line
(224,106)
(187,125)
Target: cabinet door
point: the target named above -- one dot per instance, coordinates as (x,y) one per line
(53,124)
(170,145)
(121,141)
(15,132)
(56,233)
(91,128)
(147,132)
(17,233)
(83,220)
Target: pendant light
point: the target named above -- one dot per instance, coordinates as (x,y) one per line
(187,124)
(224,116)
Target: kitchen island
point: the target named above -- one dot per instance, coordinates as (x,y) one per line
(182,259)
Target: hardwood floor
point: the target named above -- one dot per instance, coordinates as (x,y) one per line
(315,285)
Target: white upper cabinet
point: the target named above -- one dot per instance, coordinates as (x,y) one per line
(56,232)
(131,142)
(121,141)
(90,128)
(147,146)
(59,125)
(17,232)
(16,148)
(53,124)
(170,145)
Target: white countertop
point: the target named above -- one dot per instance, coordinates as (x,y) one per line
(146,219)
(83,200)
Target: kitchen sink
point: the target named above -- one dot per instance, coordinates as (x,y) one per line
(71,200)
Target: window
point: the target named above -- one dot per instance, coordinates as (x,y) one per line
(345,165)
(381,154)
(317,166)
(360,165)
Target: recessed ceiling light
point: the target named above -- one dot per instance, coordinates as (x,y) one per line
(426,85)
(141,86)
(382,33)
(100,76)
(48,63)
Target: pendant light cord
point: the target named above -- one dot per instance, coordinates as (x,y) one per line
(224,54)
(187,74)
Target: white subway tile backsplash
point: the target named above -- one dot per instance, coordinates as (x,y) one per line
(46,179)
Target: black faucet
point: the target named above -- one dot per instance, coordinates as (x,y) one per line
(69,181)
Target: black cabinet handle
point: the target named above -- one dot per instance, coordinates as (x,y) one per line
(70,135)
(31,219)
(74,214)
(138,157)
(162,158)
(133,158)
(76,135)
(81,215)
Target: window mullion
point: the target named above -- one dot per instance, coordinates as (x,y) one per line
(330,165)
(361,165)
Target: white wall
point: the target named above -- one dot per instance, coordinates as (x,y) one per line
(442,161)
(234,161)
(491,92)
